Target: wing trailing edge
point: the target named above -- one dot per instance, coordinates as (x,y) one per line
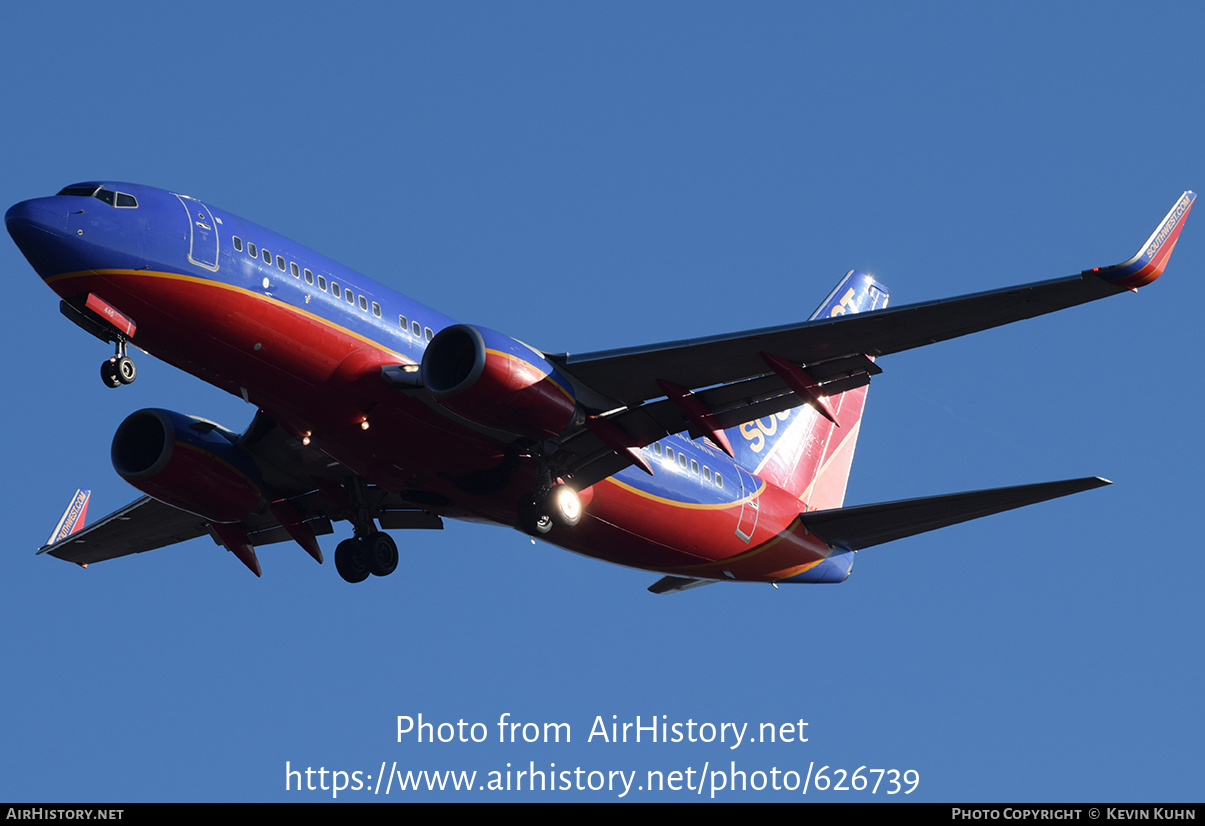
(864,526)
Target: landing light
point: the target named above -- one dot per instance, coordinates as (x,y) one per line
(364,424)
(568,503)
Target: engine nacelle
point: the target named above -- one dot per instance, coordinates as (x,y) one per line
(188,463)
(497,381)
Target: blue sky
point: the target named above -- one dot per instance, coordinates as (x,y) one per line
(593,177)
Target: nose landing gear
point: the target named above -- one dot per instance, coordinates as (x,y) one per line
(119,369)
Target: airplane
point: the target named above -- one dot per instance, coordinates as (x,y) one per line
(722,458)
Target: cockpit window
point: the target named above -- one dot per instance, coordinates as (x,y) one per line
(85,191)
(117,199)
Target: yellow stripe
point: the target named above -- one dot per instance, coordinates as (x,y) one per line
(220,285)
(548,376)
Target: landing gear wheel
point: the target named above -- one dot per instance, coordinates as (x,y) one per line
(108,373)
(380,552)
(126,371)
(117,371)
(350,560)
(533,516)
(564,506)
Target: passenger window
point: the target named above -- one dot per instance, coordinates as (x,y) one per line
(706,473)
(293,269)
(350,296)
(694,467)
(267,257)
(252,251)
(376,309)
(309,276)
(719,480)
(238,244)
(417,329)
(657,448)
(427,332)
(682,460)
(335,289)
(322,283)
(669,453)
(403,323)
(280,263)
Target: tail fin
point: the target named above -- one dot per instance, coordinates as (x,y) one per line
(801,450)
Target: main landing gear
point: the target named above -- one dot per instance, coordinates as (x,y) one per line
(119,369)
(374,553)
(539,511)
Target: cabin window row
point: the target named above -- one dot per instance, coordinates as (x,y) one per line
(415,328)
(686,464)
(297,272)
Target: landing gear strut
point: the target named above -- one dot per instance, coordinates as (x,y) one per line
(374,553)
(558,505)
(119,369)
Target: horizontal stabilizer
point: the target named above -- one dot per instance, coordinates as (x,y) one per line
(852,529)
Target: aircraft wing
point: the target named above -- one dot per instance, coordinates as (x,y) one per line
(148,524)
(838,352)
(629,376)
(140,526)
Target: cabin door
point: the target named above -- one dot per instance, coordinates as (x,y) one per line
(202,234)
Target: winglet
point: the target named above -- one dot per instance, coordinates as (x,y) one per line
(72,519)
(1150,261)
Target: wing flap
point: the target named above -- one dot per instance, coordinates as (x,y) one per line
(865,526)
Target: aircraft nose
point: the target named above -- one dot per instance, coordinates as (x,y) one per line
(38,227)
(45,214)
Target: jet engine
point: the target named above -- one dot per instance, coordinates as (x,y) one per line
(497,381)
(188,463)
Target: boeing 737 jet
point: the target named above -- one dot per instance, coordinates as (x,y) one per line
(704,460)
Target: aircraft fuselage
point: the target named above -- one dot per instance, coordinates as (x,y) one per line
(306,341)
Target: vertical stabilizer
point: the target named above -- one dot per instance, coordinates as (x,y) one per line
(800,449)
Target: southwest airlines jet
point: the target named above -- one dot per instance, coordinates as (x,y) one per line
(704,460)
